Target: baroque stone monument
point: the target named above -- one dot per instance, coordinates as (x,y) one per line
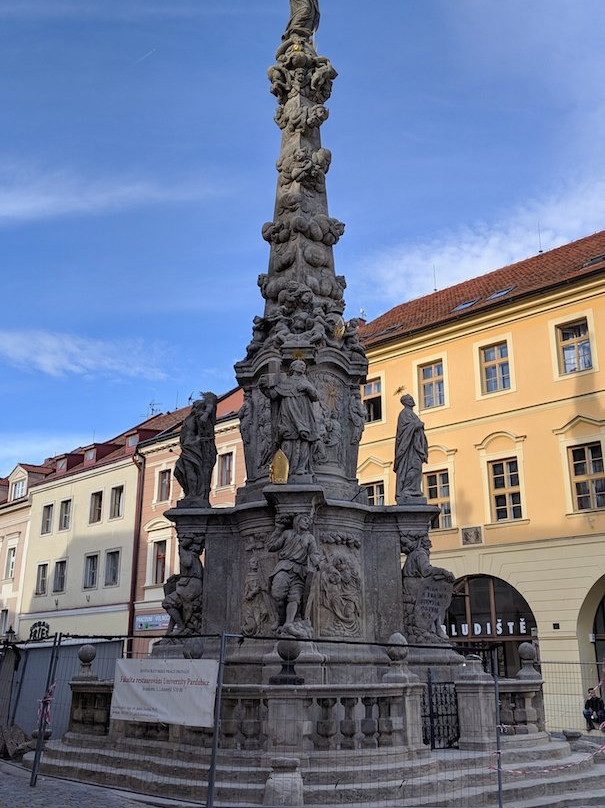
(302,555)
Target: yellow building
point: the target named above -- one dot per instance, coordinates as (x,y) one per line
(505,371)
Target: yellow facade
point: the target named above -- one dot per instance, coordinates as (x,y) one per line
(546,546)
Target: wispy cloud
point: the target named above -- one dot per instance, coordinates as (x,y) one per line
(405,271)
(61,354)
(28,195)
(34,447)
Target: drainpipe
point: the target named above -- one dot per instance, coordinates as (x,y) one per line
(139,461)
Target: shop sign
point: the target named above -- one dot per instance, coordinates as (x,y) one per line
(39,631)
(169,691)
(502,628)
(151,622)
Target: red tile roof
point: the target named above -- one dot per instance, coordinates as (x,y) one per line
(152,427)
(562,265)
(44,469)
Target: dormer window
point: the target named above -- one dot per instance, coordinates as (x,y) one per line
(132,440)
(62,464)
(17,489)
(89,455)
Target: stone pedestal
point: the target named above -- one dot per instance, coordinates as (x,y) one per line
(476,707)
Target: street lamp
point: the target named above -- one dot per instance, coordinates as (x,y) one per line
(10,635)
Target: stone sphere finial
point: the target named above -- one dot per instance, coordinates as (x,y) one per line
(289,650)
(527,652)
(398,649)
(86,654)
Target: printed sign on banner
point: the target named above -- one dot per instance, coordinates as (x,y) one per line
(170,691)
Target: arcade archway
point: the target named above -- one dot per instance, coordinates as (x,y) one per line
(487,611)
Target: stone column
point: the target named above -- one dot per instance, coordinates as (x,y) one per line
(476,706)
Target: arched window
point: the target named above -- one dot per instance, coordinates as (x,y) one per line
(487,611)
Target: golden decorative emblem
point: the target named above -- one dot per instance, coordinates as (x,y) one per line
(279,468)
(339,327)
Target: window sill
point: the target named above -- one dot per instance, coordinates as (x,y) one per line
(443,531)
(496,393)
(584,512)
(506,523)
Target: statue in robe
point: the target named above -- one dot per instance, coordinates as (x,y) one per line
(193,469)
(411,451)
(304,18)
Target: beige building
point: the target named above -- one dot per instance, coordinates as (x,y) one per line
(15,503)
(78,571)
(506,373)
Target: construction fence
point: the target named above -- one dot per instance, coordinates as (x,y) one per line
(406,732)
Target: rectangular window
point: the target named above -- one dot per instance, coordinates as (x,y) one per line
(430,383)
(47,519)
(116,502)
(159,562)
(375,493)
(505,490)
(574,347)
(91,570)
(42,579)
(495,370)
(437,491)
(371,396)
(112,568)
(96,507)
(59,577)
(17,489)
(65,514)
(588,476)
(164,478)
(11,556)
(225,469)
(3,621)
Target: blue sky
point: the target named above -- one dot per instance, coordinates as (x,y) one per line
(138,166)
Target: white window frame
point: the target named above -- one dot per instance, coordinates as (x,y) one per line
(59,591)
(18,485)
(158,488)
(37,592)
(417,364)
(85,581)
(118,551)
(371,378)
(487,342)
(593,431)
(486,457)
(94,494)
(553,334)
(10,562)
(48,508)
(112,491)
(442,459)
(63,502)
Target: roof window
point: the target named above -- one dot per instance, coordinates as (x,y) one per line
(466,305)
(500,293)
(596,259)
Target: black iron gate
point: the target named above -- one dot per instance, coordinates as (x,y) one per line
(440,725)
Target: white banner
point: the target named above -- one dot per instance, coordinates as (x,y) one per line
(171,691)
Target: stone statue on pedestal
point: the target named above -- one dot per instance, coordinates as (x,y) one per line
(411,451)
(193,469)
(183,598)
(297,551)
(297,430)
(427,592)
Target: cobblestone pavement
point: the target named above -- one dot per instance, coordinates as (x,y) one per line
(51,792)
